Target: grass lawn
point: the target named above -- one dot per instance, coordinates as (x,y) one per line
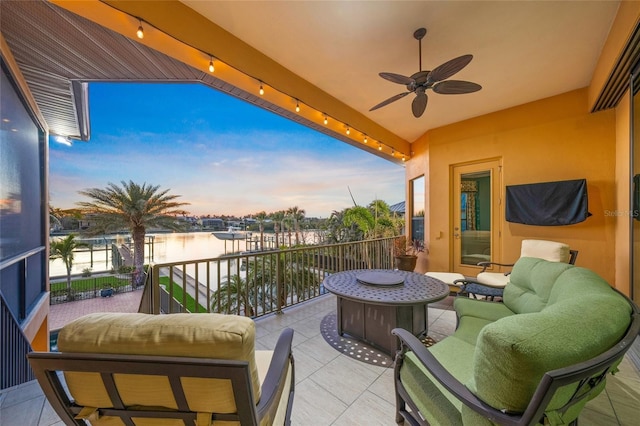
(180,296)
(92,284)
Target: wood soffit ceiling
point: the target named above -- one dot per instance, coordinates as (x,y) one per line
(523,51)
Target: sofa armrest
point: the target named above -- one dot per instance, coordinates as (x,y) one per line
(274,382)
(464,282)
(448,381)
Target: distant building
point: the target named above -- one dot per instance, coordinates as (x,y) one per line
(214,224)
(398,209)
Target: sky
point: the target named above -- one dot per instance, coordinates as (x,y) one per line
(221,155)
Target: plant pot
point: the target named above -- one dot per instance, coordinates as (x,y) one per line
(106,292)
(406,262)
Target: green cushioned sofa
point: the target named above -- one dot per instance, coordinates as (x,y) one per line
(539,357)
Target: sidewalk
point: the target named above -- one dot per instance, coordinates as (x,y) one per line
(63,313)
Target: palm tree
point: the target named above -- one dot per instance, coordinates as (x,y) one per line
(261,218)
(296,214)
(385,224)
(63,249)
(134,207)
(234,296)
(362,218)
(277,218)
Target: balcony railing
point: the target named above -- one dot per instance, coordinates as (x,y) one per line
(257,283)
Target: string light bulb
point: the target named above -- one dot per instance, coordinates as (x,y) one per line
(261,89)
(379,147)
(366,139)
(297,106)
(403,158)
(326,120)
(140,32)
(211,68)
(348,130)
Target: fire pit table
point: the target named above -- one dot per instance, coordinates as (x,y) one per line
(372,302)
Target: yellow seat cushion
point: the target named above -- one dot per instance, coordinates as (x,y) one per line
(212,336)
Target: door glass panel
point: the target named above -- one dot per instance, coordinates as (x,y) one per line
(417,208)
(475,217)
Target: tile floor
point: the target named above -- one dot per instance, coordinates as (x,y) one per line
(333,389)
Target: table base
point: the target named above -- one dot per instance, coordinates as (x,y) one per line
(373,323)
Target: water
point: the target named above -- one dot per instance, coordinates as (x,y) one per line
(174,247)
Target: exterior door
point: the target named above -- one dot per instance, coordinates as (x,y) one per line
(476,202)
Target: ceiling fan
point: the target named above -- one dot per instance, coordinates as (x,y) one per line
(421,81)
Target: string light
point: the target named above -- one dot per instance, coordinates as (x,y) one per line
(140,32)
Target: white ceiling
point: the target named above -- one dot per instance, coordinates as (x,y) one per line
(523,50)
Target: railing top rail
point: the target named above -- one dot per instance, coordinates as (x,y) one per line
(299,248)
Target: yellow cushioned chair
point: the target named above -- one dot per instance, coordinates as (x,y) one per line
(491,284)
(166,370)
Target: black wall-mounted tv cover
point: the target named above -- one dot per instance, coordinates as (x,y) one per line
(548,203)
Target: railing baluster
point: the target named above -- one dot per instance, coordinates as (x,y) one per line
(263,282)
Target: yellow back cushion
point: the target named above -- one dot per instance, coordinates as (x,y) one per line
(213,336)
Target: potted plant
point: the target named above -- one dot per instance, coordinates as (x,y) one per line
(406,253)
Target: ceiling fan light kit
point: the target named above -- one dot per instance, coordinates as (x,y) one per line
(422,81)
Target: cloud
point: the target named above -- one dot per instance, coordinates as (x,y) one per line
(233,159)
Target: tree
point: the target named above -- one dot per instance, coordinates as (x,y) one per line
(261,218)
(278,218)
(362,218)
(234,296)
(63,249)
(296,214)
(134,207)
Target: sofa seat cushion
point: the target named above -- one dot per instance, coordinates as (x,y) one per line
(476,308)
(213,336)
(435,403)
(513,353)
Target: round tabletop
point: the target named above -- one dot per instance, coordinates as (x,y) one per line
(386,287)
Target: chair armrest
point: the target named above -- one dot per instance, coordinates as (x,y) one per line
(448,381)
(274,381)
(486,264)
(463,283)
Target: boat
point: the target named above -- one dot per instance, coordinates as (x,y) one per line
(233,233)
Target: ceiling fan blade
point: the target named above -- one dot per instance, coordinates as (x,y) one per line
(419,104)
(396,78)
(455,87)
(391,99)
(449,68)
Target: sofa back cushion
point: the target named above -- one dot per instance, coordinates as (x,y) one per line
(212,336)
(530,284)
(583,318)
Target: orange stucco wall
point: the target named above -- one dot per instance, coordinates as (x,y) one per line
(622,190)
(547,140)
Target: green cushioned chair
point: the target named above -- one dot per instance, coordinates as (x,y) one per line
(165,370)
